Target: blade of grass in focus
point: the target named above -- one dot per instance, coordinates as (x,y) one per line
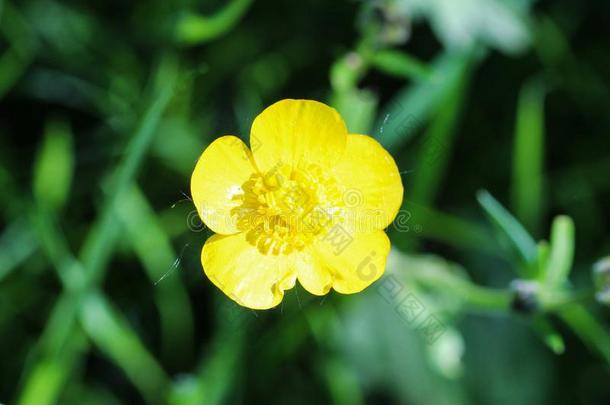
(520,241)
(528,157)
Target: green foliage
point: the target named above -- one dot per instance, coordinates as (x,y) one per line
(195,29)
(519,240)
(54,167)
(528,191)
(105,108)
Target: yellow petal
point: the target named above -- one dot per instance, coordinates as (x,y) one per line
(251,279)
(218,177)
(350,267)
(314,276)
(371,184)
(293,131)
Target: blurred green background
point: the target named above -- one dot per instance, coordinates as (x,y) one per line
(106,106)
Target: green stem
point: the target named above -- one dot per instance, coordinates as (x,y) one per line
(474,296)
(587,327)
(559,302)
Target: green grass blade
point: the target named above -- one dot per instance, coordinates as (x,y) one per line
(54,166)
(400,64)
(154,250)
(358,109)
(17,244)
(528,157)
(23,45)
(549,335)
(99,321)
(561,255)
(412,106)
(100,241)
(52,372)
(588,328)
(521,242)
(195,29)
(437,144)
(218,369)
(98,245)
(111,333)
(443,227)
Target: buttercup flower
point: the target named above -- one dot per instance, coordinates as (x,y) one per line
(308,202)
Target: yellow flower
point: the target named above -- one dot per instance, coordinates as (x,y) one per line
(308,202)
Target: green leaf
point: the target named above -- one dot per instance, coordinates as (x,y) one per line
(544,250)
(549,335)
(112,334)
(413,105)
(154,250)
(443,227)
(400,64)
(195,29)
(521,242)
(54,166)
(437,144)
(98,245)
(17,244)
(346,72)
(217,371)
(588,328)
(22,42)
(51,373)
(561,254)
(358,109)
(528,156)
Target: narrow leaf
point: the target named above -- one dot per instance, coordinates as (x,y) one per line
(521,242)
(528,156)
(111,333)
(561,254)
(400,64)
(195,29)
(413,105)
(54,166)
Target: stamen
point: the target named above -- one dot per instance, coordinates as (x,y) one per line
(284,209)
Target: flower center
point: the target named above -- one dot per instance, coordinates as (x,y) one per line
(284,209)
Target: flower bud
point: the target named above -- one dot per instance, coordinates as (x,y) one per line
(601,280)
(525,298)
